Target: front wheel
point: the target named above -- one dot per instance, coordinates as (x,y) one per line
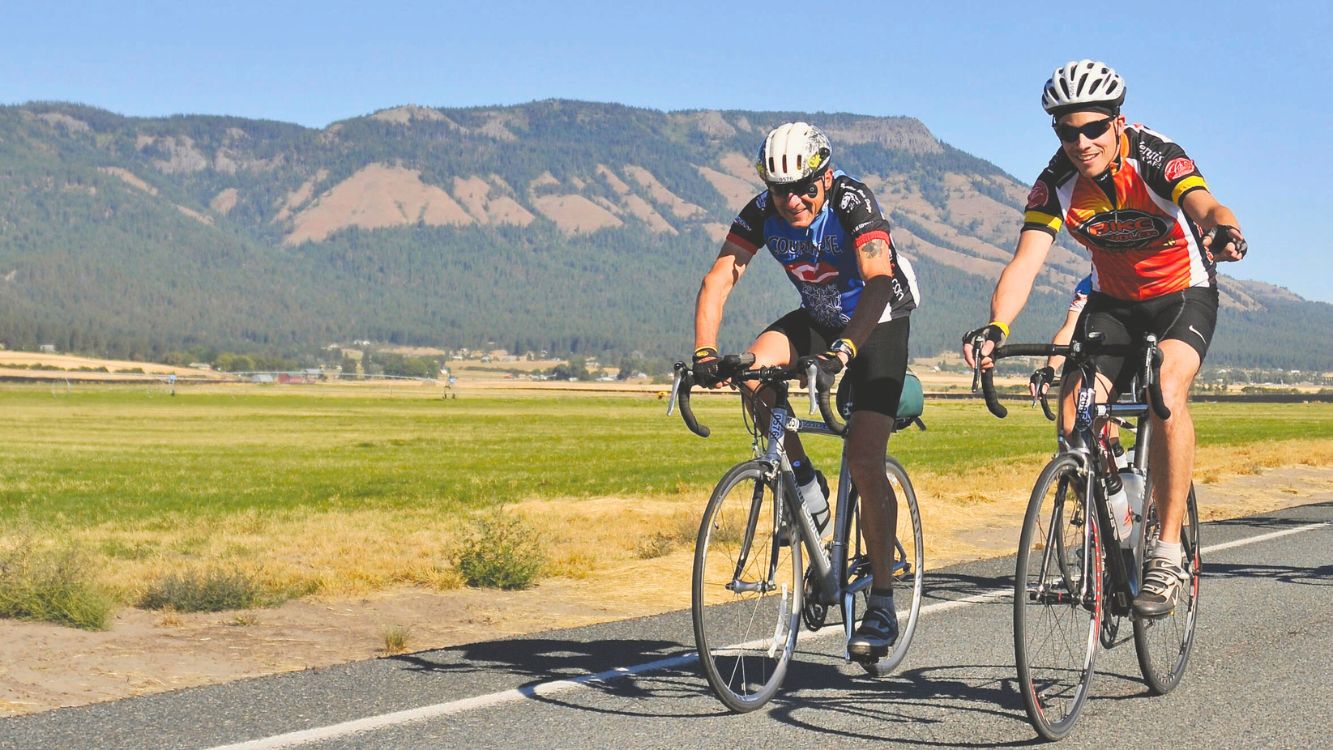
(1164,643)
(908,566)
(1057,599)
(746,601)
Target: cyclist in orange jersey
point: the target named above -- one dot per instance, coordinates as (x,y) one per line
(1141,207)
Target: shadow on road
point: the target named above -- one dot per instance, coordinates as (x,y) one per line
(1320,576)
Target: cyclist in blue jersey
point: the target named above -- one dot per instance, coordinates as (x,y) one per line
(857,290)
(1041,379)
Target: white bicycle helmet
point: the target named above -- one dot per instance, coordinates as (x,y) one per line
(793,152)
(1083,84)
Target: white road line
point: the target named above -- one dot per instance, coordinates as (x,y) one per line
(369,723)
(1261,538)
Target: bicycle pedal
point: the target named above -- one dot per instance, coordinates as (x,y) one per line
(869,657)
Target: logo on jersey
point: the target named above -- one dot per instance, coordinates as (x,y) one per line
(849,200)
(1151,157)
(812,273)
(1123,230)
(1038,196)
(1177,168)
(787,250)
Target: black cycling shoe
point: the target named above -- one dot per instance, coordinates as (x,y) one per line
(876,635)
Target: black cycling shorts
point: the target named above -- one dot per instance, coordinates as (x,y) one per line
(879,368)
(1189,316)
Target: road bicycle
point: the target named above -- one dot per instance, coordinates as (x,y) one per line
(1081,553)
(750,591)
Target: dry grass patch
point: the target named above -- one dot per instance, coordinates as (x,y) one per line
(396,638)
(283,554)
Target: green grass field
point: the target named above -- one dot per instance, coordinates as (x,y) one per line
(117,495)
(124,457)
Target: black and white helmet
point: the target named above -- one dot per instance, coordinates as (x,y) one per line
(1083,84)
(793,152)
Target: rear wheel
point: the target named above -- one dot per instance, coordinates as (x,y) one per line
(1057,600)
(746,589)
(908,566)
(1164,643)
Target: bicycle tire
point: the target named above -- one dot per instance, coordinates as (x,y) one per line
(1164,643)
(908,569)
(1057,621)
(746,638)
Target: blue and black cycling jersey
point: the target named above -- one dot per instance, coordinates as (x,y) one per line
(821,259)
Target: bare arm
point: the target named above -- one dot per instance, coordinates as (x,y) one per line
(1063,336)
(713,292)
(1011,292)
(874,261)
(1015,284)
(1204,210)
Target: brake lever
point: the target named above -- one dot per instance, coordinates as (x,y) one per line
(812,384)
(675,388)
(976,362)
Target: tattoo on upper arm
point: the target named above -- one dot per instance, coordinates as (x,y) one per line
(875,248)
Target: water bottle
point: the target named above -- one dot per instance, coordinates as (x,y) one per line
(1117,504)
(1132,480)
(1122,457)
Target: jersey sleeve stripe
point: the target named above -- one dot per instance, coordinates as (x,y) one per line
(1186,185)
(1044,220)
(877,234)
(742,243)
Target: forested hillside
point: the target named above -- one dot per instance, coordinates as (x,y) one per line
(573,227)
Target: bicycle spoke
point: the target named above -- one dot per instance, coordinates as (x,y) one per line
(1164,643)
(746,605)
(1057,607)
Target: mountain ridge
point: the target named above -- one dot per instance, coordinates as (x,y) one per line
(142,235)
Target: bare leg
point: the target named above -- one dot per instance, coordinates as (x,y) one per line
(867,443)
(1172,457)
(772,349)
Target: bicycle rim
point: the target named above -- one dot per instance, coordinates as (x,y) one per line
(1164,643)
(1057,600)
(746,602)
(908,569)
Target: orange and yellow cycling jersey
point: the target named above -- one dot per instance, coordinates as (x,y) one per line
(1142,244)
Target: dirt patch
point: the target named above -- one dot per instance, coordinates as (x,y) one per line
(46,666)
(129,178)
(224,201)
(736,191)
(300,196)
(476,194)
(377,196)
(574,214)
(67,366)
(679,207)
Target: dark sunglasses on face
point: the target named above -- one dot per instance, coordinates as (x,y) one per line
(809,187)
(1092,130)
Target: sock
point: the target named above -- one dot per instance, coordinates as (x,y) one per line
(1173,552)
(804,471)
(880,599)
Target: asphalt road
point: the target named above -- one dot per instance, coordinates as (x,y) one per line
(1258,677)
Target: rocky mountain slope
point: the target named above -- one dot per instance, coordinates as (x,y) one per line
(566,226)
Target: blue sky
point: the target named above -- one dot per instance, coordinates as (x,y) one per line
(1243,86)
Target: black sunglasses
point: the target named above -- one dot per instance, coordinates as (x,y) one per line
(1093,130)
(809,187)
